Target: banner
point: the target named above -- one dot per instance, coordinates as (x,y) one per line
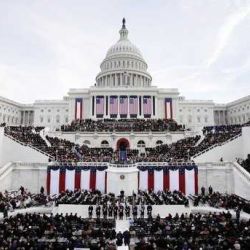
(78,108)
(181,178)
(71,178)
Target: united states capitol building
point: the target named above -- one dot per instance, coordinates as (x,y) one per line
(124,79)
(124,164)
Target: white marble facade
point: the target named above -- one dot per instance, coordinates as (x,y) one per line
(124,74)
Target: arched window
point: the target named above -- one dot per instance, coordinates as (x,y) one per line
(159,142)
(104,144)
(86,142)
(141,144)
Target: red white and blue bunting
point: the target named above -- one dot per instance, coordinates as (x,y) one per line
(181,178)
(61,178)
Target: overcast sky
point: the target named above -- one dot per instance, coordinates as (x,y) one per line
(201,47)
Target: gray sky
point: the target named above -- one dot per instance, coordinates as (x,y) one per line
(201,47)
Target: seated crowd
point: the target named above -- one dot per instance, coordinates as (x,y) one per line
(245,163)
(216,135)
(63,150)
(11,200)
(194,231)
(122,125)
(24,199)
(221,200)
(34,231)
(27,135)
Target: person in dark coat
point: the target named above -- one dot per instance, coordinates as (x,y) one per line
(127,211)
(126,236)
(42,190)
(210,190)
(98,211)
(149,211)
(90,211)
(110,210)
(104,211)
(5,212)
(119,240)
(22,190)
(115,211)
(142,211)
(203,191)
(121,210)
(135,212)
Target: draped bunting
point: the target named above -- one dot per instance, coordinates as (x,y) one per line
(158,180)
(61,178)
(85,180)
(54,181)
(70,180)
(183,178)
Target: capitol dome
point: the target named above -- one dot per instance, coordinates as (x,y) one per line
(123,65)
(123,46)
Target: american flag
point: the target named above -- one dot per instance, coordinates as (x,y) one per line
(123,105)
(133,105)
(78,109)
(99,105)
(168,108)
(147,105)
(113,105)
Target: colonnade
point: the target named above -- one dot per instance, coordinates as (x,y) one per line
(123,79)
(140,111)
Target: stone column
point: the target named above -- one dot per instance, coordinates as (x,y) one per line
(116,80)
(24,122)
